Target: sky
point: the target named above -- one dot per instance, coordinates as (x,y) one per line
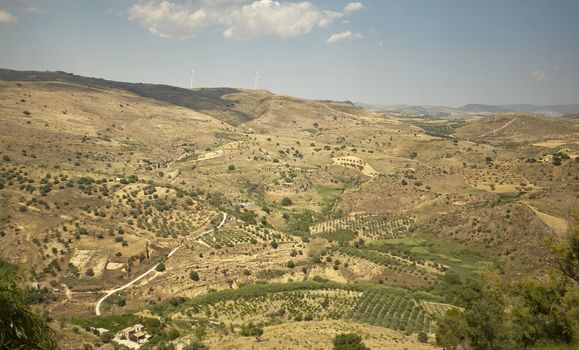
(436,52)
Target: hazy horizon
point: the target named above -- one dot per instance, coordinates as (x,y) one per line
(376,52)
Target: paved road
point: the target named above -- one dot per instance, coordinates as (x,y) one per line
(113,291)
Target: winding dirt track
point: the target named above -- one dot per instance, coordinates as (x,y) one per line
(97,308)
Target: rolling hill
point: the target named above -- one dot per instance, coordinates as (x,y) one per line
(198,213)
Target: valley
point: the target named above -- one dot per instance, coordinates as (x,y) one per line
(198,213)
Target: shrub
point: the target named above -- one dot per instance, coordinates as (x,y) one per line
(160,267)
(349,341)
(286,201)
(194,275)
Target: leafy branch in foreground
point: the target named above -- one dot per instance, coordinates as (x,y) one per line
(20,328)
(530,313)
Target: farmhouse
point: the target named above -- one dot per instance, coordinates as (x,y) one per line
(136,334)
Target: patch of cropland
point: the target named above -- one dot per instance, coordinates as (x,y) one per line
(214,215)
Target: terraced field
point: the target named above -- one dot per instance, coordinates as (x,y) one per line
(393,311)
(241,234)
(289,306)
(373,227)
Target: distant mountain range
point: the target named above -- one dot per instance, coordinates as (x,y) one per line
(476,109)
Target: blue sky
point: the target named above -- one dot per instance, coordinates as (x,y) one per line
(440,52)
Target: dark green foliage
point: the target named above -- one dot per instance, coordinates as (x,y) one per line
(349,341)
(172,334)
(546,310)
(484,323)
(339,235)
(252,330)
(20,328)
(160,267)
(298,224)
(286,201)
(452,330)
(194,275)
(106,337)
(522,315)
(567,252)
(422,337)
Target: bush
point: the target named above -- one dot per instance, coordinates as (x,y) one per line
(173,334)
(194,275)
(423,337)
(106,337)
(160,267)
(231,167)
(349,341)
(286,201)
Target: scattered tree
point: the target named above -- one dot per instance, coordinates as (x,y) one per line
(349,341)
(194,275)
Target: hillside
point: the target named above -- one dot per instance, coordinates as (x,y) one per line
(518,127)
(198,212)
(232,106)
(474,109)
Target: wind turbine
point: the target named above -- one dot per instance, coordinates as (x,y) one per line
(256,79)
(192,77)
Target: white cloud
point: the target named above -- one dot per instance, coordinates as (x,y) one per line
(236,19)
(338,37)
(168,20)
(266,17)
(21,5)
(539,75)
(353,7)
(7,17)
